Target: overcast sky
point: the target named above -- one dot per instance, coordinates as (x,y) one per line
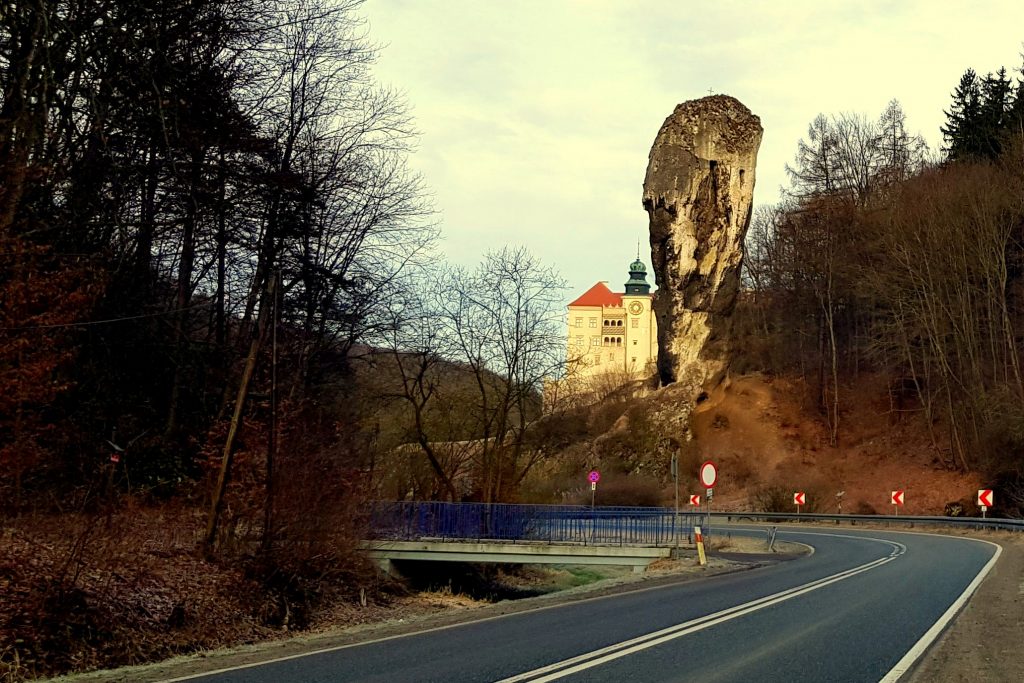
(537,115)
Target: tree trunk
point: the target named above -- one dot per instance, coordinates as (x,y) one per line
(185,269)
(236,419)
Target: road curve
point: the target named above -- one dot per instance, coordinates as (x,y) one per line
(861,608)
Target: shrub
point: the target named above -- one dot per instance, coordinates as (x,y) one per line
(557,431)
(773,499)
(864,508)
(628,490)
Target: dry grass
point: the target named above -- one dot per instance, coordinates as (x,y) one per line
(80,592)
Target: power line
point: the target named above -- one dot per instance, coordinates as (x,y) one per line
(104,322)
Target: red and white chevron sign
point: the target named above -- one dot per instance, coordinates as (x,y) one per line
(799,498)
(695,500)
(985,497)
(897,497)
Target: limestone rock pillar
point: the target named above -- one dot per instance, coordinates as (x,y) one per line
(698,194)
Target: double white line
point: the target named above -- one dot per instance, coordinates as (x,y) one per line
(607,654)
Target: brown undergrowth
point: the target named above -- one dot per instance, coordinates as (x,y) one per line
(87,591)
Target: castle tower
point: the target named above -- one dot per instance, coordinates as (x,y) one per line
(637,282)
(614,331)
(641,347)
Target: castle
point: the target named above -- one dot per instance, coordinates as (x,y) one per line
(613,332)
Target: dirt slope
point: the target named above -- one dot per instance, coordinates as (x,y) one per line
(763,432)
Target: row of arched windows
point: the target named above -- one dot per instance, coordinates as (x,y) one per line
(613,323)
(613,341)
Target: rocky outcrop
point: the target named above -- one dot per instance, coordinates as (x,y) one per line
(698,195)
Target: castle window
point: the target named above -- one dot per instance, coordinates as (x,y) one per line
(579,340)
(634,342)
(634,323)
(595,341)
(593,322)
(618,323)
(579,322)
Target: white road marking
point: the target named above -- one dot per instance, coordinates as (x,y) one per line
(643,642)
(610,653)
(335,648)
(918,649)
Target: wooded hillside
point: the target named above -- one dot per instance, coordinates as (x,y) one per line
(885,257)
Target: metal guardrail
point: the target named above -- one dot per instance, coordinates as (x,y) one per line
(410,521)
(539,523)
(909,520)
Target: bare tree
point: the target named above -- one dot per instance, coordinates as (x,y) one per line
(504,319)
(901,154)
(340,215)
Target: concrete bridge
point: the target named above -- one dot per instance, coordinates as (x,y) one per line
(526,534)
(384,552)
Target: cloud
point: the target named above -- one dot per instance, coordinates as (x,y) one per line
(537,115)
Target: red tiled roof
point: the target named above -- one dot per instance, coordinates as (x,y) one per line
(599,295)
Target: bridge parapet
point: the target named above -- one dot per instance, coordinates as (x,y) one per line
(635,526)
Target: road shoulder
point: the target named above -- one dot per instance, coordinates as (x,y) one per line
(983,642)
(309,643)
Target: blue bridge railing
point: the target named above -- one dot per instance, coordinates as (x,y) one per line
(409,521)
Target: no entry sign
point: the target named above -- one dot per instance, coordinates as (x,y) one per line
(695,499)
(897,497)
(708,474)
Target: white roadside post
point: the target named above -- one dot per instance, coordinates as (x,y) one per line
(702,557)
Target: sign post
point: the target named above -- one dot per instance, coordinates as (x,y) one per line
(897,501)
(593,478)
(984,500)
(675,483)
(799,499)
(708,475)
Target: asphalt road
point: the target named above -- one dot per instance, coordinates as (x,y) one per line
(849,612)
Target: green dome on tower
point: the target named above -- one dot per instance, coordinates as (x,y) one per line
(637,283)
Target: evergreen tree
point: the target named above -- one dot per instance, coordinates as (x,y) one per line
(1015,115)
(962,131)
(996,95)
